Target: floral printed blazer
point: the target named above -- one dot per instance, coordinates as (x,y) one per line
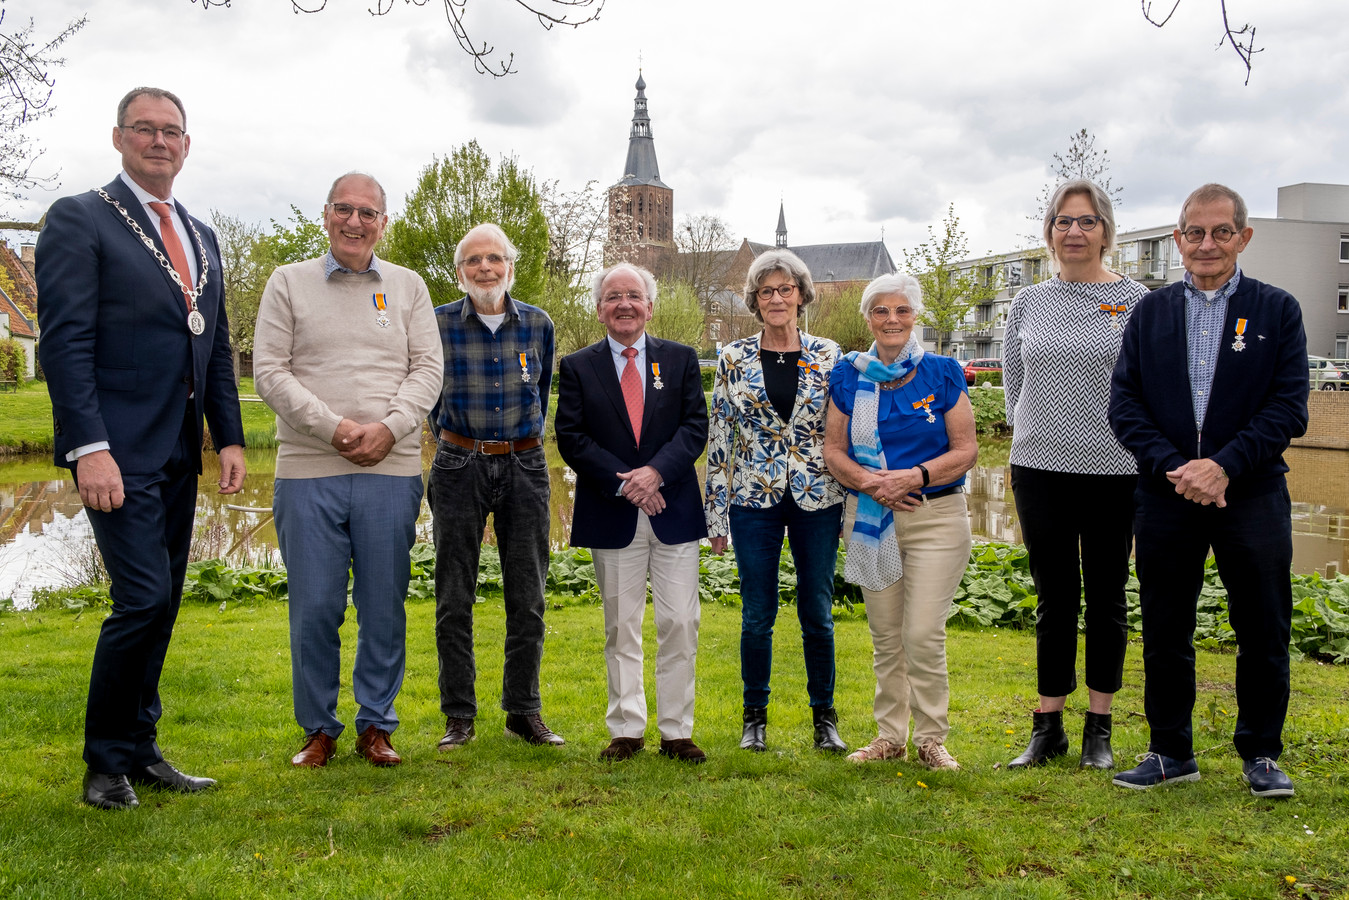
(752,454)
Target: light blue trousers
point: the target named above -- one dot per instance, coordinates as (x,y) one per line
(325,526)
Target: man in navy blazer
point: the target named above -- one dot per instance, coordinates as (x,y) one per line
(135,354)
(1209,389)
(631,422)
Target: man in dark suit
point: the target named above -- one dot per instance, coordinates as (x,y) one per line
(135,347)
(631,422)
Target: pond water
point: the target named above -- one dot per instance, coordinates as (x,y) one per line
(45,539)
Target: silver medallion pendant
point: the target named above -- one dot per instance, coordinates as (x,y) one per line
(196,322)
(1239,344)
(931,417)
(382,321)
(658,385)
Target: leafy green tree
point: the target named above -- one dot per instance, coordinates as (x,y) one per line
(572,310)
(454,194)
(948,292)
(305,239)
(246,266)
(678,315)
(835,316)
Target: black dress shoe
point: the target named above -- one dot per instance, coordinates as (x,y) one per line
(1047,740)
(163,775)
(109,791)
(530,727)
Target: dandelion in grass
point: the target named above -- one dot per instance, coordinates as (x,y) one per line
(1290,879)
(1011,731)
(920,784)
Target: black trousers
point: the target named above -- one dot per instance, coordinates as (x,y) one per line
(1252,541)
(1078,531)
(144,545)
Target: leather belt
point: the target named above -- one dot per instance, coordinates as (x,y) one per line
(945,492)
(491,448)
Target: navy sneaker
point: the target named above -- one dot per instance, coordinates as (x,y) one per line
(1266,778)
(1154,769)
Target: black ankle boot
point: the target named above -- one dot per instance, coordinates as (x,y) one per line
(826,730)
(756,723)
(1047,740)
(1096,752)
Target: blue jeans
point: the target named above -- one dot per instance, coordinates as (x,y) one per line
(813,536)
(465,487)
(325,526)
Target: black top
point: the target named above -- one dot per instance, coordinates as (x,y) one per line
(780,379)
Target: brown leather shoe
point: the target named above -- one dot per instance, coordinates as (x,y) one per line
(458,732)
(531,728)
(374,745)
(317,750)
(682,749)
(621,748)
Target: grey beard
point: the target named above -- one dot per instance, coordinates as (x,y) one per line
(489,297)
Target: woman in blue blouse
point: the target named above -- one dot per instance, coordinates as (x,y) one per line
(900,437)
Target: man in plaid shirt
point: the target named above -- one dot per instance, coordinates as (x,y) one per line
(490,459)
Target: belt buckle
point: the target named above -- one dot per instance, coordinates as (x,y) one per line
(505,447)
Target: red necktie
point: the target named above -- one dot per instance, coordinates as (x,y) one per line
(169,235)
(632,392)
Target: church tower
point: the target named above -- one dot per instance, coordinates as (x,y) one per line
(641,206)
(781,240)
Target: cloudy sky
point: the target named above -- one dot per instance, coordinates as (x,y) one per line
(861,115)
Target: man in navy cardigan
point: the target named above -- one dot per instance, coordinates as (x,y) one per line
(1210,387)
(631,422)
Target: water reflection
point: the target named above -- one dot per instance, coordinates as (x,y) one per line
(45,539)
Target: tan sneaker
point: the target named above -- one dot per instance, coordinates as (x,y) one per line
(933,754)
(880,748)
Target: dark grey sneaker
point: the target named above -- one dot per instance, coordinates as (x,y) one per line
(1154,769)
(1266,778)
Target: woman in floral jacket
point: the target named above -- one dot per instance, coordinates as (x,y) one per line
(766,476)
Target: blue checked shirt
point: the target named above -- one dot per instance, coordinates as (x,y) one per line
(1204,320)
(485,396)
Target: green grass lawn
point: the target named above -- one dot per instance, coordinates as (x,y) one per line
(26,419)
(500,818)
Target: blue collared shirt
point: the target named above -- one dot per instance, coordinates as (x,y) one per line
(486,395)
(331,265)
(1204,319)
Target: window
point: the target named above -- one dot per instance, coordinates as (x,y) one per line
(1342,346)
(1344,248)
(1343,304)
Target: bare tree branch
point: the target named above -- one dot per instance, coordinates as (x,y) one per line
(549,13)
(1242,39)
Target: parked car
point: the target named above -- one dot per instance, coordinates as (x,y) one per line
(1326,375)
(974,367)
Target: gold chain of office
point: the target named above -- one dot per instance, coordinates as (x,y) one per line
(189,293)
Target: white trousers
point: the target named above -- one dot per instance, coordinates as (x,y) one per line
(908,619)
(622,576)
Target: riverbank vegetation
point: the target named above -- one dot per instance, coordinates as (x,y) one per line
(501,818)
(996,592)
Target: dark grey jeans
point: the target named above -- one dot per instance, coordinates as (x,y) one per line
(465,487)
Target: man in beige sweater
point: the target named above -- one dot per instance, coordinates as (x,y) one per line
(347,354)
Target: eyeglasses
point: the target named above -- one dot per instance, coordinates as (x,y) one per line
(493,259)
(632,296)
(766,293)
(172,134)
(1222,234)
(1086,223)
(883,312)
(343,211)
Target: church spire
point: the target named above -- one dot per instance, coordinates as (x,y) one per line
(782,226)
(641,166)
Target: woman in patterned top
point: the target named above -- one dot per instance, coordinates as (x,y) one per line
(900,438)
(766,475)
(1072,481)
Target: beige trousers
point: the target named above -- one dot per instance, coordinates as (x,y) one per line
(622,576)
(908,619)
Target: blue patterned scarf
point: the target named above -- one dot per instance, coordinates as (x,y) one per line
(873,559)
